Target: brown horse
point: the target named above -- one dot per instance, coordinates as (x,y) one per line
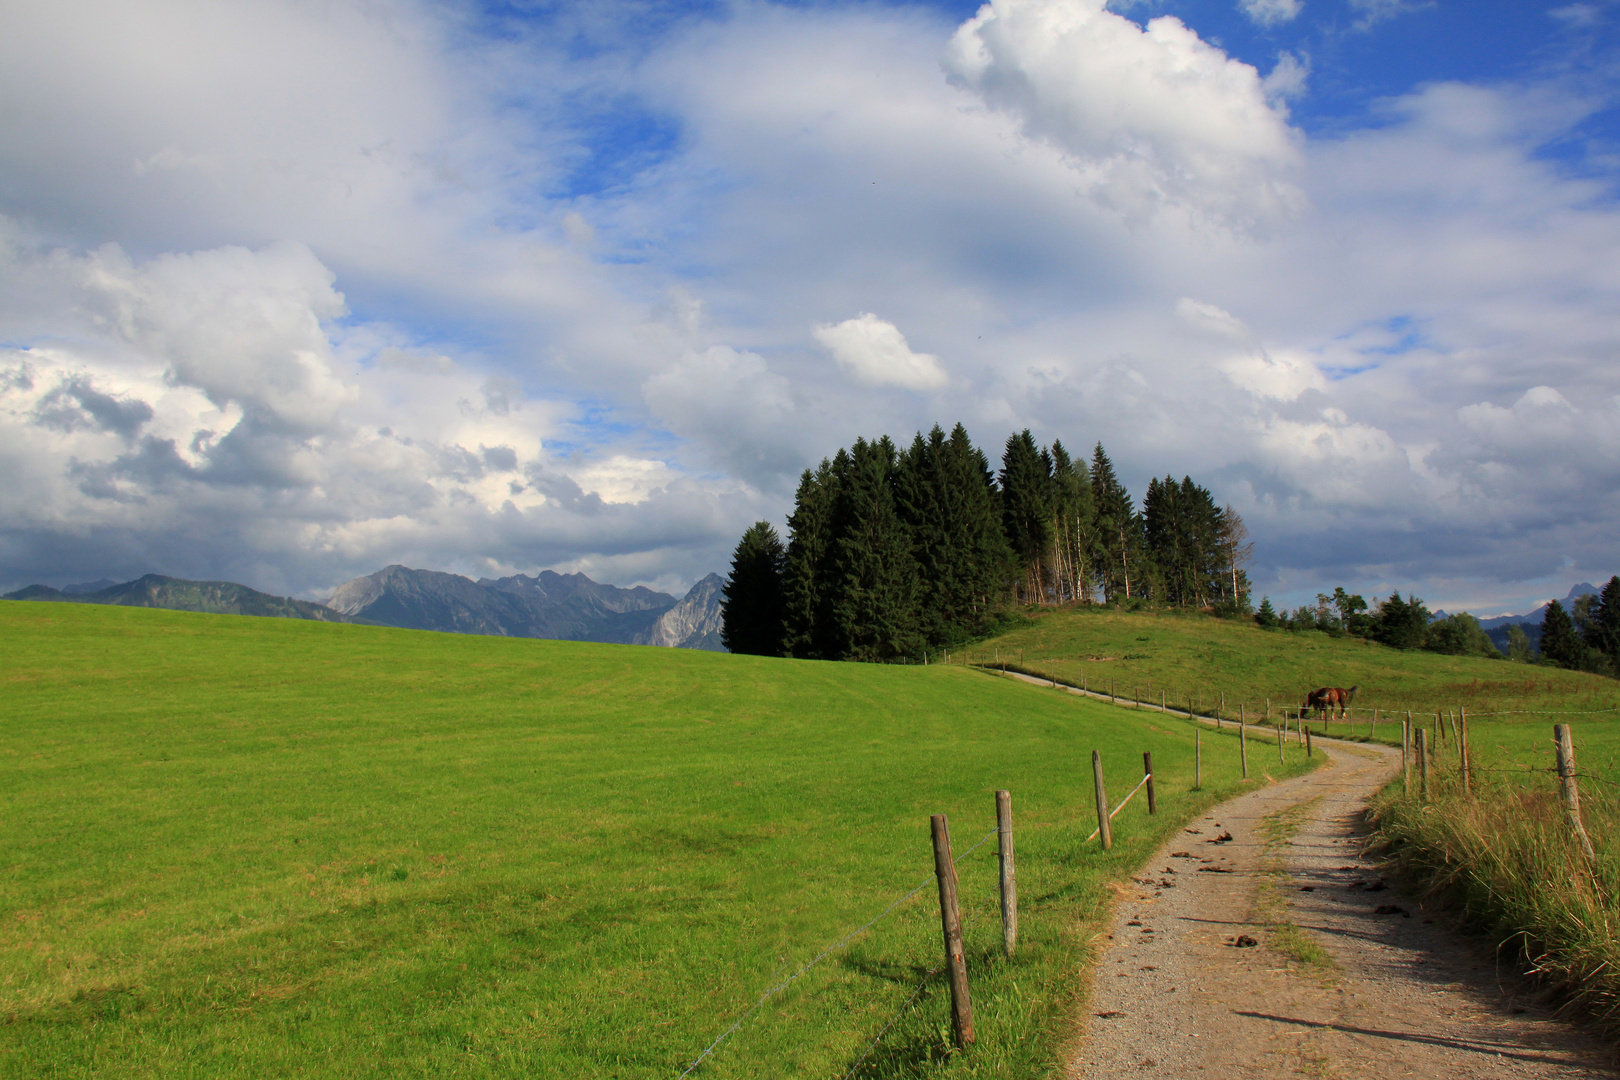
(1324,700)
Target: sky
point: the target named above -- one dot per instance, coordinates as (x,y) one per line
(290,291)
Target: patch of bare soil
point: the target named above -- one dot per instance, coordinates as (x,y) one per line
(1282,953)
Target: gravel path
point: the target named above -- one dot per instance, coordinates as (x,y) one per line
(1389,995)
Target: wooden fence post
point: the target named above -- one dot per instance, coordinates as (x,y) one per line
(1309,750)
(1462,751)
(1112,700)
(950,923)
(1571,791)
(1198,760)
(1281,760)
(1406,752)
(1164,701)
(1372,728)
(1105,828)
(1243,748)
(1147,771)
(1423,764)
(1009,875)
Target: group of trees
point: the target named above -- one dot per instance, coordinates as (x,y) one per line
(1586,640)
(892,552)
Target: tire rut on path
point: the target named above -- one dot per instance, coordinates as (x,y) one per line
(1390,995)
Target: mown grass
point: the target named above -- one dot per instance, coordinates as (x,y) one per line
(1194,655)
(253,847)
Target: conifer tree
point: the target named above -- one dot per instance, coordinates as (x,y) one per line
(1267,615)
(751,614)
(806,620)
(1118,552)
(1026,490)
(1558,641)
(872,588)
(1603,626)
(947,504)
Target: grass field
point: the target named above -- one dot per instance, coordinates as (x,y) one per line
(256,847)
(1500,857)
(1193,654)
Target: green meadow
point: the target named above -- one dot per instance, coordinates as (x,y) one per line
(1193,655)
(261,847)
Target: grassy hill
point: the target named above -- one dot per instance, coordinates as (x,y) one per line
(250,847)
(1194,655)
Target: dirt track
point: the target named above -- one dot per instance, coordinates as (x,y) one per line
(1388,995)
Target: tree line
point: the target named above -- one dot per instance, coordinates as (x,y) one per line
(1587,639)
(891,553)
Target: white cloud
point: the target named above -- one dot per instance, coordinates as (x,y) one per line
(1211,319)
(875,352)
(1287,79)
(387,294)
(1271,12)
(1281,376)
(1376,11)
(1148,115)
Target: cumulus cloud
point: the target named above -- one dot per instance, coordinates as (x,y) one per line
(875,352)
(1148,115)
(208,414)
(387,289)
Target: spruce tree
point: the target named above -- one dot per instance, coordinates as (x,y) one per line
(1118,551)
(1402,624)
(1558,641)
(805,617)
(1603,627)
(872,586)
(947,505)
(1026,490)
(1267,615)
(751,614)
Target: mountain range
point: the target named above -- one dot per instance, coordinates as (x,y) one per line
(547,605)
(1497,628)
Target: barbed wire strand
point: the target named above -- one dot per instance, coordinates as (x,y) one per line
(828,951)
(967,920)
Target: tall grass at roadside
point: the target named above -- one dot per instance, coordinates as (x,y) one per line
(1504,862)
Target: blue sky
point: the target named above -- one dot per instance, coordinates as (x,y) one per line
(504,287)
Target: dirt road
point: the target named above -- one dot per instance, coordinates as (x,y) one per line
(1280,953)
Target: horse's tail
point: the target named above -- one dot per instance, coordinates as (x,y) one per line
(1350,694)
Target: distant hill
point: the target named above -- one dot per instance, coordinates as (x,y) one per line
(547,605)
(177,594)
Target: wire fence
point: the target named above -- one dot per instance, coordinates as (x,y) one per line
(823,954)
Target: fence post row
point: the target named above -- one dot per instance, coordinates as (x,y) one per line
(950,922)
(1009,876)
(1104,827)
(1571,791)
